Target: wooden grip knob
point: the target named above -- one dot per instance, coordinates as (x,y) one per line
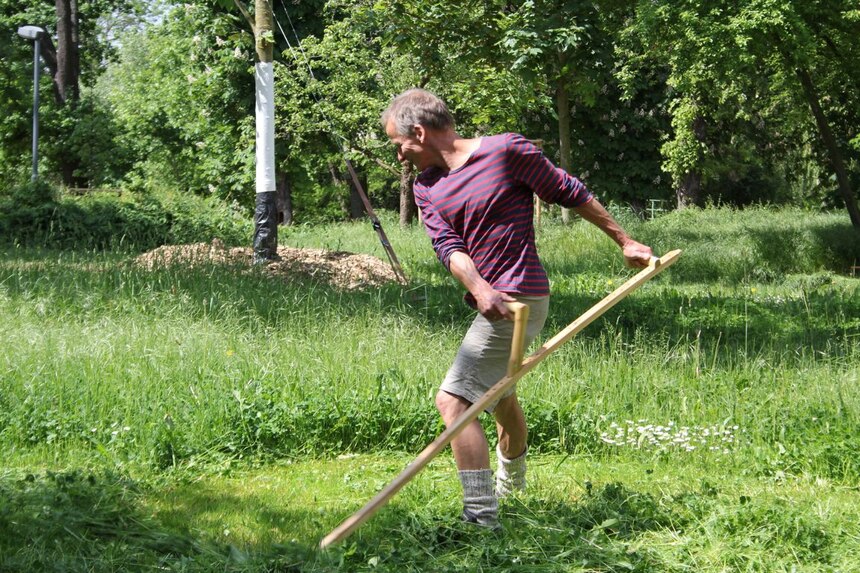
(518,342)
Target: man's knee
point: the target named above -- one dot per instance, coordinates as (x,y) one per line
(450,406)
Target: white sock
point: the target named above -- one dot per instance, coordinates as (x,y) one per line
(479,502)
(511,474)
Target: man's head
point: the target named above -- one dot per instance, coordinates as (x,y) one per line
(417,107)
(411,120)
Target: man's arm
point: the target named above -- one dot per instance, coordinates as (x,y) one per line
(491,303)
(635,254)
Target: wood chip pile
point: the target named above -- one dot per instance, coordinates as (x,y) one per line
(342,270)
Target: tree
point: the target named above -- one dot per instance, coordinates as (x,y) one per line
(461,64)
(182,96)
(335,83)
(757,62)
(528,65)
(77,58)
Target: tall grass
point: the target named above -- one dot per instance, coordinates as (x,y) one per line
(709,422)
(160,368)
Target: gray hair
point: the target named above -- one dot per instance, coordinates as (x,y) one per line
(417,107)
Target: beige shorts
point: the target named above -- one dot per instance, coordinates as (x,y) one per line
(483,356)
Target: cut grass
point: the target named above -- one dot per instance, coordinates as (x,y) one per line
(578,516)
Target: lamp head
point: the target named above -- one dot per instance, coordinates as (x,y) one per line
(31,32)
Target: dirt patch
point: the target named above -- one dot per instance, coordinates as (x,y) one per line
(343,270)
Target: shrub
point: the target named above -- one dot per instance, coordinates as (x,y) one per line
(37,214)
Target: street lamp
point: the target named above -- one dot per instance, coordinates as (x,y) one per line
(34,33)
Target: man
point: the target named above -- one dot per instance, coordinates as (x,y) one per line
(476,198)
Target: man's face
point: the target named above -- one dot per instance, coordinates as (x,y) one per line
(408,147)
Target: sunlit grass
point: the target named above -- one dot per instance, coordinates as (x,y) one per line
(217,400)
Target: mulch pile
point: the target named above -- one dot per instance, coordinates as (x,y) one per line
(342,270)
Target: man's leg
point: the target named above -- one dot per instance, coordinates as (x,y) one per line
(472,456)
(471,451)
(511,427)
(511,449)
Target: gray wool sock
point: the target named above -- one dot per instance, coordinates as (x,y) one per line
(479,501)
(511,474)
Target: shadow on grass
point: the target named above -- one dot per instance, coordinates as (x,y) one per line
(76,521)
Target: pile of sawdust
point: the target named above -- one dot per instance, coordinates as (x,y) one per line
(346,271)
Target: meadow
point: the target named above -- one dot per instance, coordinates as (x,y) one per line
(216,419)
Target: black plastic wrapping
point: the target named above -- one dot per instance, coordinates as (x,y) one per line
(266,227)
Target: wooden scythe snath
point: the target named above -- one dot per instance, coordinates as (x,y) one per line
(514,374)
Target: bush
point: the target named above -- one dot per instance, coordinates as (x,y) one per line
(26,209)
(38,215)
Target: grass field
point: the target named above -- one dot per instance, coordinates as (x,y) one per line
(211,419)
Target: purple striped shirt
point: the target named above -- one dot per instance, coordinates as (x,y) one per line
(485,210)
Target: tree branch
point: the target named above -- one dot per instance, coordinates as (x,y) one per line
(379,162)
(244,10)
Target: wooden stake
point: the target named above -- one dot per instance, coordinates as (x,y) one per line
(354,521)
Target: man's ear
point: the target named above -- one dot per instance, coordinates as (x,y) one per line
(420,132)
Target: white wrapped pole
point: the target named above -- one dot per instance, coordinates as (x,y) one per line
(266,205)
(265,116)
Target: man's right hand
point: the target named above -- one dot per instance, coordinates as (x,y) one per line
(491,304)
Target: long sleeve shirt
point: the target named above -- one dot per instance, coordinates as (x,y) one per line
(485,208)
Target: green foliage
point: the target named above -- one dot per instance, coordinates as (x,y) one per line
(16,87)
(464,65)
(69,134)
(658,92)
(38,215)
(182,97)
(738,109)
(27,208)
(88,132)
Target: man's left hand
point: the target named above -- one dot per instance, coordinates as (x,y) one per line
(636,255)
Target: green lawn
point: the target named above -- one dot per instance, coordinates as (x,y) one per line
(579,515)
(213,419)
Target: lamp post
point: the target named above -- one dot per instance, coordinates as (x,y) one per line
(35,34)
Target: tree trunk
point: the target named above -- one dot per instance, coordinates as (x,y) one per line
(831,145)
(356,206)
(563,108)
(65,80)
(689,192)
(75,54)
(67,72)
(408,208)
